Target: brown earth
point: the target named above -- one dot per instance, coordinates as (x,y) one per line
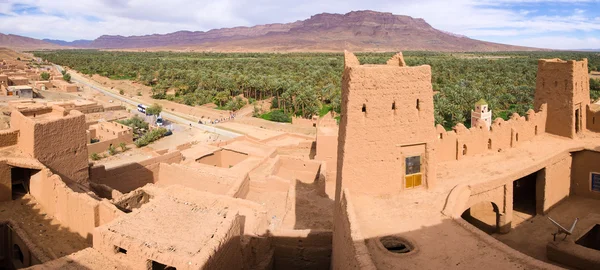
(21,43)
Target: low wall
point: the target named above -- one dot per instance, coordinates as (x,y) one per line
(8,137)
(584,163)
(79,212)
(349,248)
(128,177)
(102,146)
(460,142)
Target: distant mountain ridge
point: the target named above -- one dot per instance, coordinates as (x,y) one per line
(74,43)
(21,43)
(356,31)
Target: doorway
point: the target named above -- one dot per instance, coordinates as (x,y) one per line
(19,178)
(524,198)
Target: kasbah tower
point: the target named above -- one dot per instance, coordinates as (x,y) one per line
(386,126)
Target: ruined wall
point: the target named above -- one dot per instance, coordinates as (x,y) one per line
(20,122)
(557,184)
(223,250)
(327,147)
(77,211)
(61,146)
(584,163)
(387,112)
(8,137)
(297,169)
(176,174)
(593,117)
(128,177)
(460,142)
(301,249)
(564,87)
(5,182)
(349,250)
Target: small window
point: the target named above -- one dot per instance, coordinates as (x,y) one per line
(394,105)
(418,107)
(594,120)
(364,108)
(464,152)
(489,144)
(535,130)
(120,250)
(441,136)
(413,177)
(517,137)
(413,165)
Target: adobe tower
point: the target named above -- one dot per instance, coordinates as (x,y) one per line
(564,86)
(386,129)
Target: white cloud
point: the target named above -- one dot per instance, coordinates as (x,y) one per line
(70,20)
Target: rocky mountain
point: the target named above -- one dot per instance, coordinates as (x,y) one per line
(21,43)
(74,43)
(357,31)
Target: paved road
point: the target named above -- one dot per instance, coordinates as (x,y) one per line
(166,115)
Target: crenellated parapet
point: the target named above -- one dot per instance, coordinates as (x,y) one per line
(463,141)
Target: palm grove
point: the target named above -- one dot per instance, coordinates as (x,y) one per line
(307,84)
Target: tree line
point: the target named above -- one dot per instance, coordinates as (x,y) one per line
(303,84)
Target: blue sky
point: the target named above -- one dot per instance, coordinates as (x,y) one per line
(558,24)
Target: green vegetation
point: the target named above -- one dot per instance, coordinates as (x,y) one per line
(95,156)
(150,137)
(304,84)
(138,125)
(45,76)
(67,77)
(134,122)
(594,89)
(154,109)
(112,150)
(324,110)
(277,116)
(123,147)
(121,92)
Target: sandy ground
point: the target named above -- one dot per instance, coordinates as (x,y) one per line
(275,126)
(256,132)
(182,135)
(55,240)
(532,236)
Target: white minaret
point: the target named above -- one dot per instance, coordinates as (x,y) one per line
(481,112)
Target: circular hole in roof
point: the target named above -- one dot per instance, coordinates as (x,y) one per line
(396,244)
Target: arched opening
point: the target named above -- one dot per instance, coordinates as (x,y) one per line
(364,108)
(484,216)
(489,144)
(464,151)
(441,136)
(18,254)
(535,130)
